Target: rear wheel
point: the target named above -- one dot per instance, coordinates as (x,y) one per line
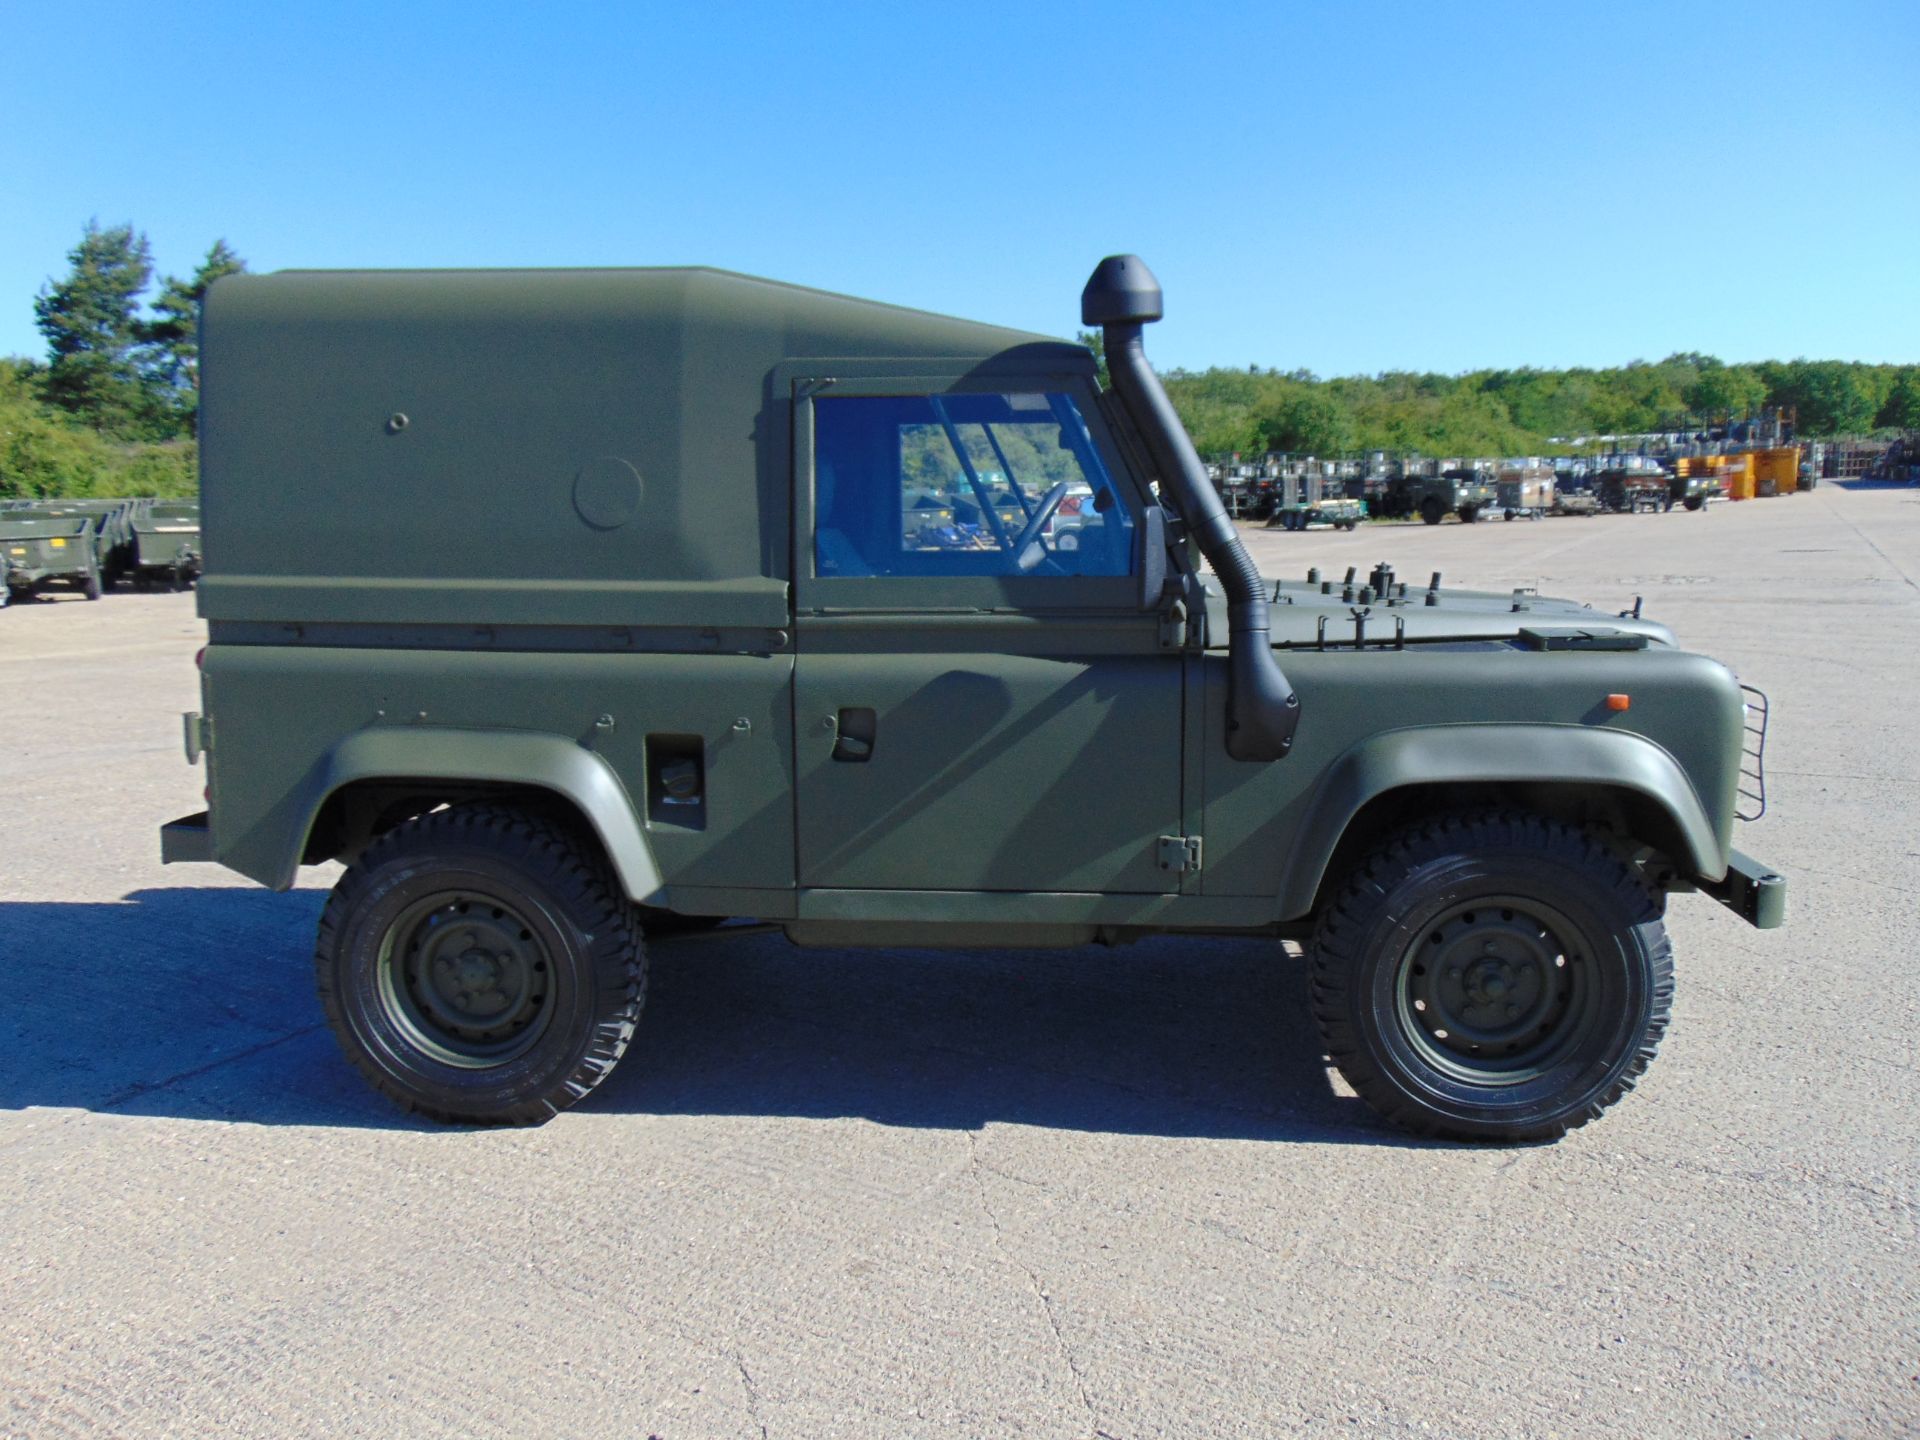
(481,965)
(1492,977)
(1430,511)
(90,587)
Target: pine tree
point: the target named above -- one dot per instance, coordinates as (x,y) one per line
(171,338)
(89,320)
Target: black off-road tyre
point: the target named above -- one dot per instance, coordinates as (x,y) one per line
(481,965)
(1695,502)
(1492,976)
(1431,511)
(91,587)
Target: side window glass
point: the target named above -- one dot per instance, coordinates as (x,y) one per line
(963,485)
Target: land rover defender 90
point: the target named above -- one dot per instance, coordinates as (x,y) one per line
(570,607)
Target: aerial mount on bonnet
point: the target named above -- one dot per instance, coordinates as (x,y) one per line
(1121,296)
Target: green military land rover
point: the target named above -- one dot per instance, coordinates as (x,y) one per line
(569,606)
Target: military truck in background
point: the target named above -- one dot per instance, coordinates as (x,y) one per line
(1460,491)
(720,671)
(1633,489)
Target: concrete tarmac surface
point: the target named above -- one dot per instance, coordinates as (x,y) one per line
(1077,1194)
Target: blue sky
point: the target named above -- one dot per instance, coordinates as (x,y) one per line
(1345,188)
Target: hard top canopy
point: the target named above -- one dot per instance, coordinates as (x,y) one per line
(543,446)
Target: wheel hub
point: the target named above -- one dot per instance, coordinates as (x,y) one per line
(467,974)
(1490,988)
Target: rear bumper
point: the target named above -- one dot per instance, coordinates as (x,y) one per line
(188,838)
(1752,891)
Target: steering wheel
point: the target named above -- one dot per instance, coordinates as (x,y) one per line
(1027,549)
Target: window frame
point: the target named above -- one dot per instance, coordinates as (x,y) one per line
(808,381)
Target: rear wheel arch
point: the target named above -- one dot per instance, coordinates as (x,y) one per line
(375,780)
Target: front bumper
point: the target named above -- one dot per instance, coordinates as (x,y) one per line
(1752,891)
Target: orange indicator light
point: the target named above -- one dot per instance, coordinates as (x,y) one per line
(1619,702)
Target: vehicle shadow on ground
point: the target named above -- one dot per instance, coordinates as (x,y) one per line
(199,1004)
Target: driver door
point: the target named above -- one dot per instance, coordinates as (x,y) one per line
(968,719)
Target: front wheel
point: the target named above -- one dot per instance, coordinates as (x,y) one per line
(1493,977)
(481,965)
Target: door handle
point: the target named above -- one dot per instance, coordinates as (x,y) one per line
(856,730)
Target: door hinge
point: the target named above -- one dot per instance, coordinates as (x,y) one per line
(1173,626)
(198,734)
(1180,853)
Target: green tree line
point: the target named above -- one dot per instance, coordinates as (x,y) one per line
(1521,412)
(113,408)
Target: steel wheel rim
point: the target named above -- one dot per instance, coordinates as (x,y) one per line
(1497,991)
(466,979)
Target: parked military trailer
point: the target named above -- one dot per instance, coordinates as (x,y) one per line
(166,544)
(1302,503)
(719,673)
(1524,494)
(44,551)
(107,520)
(1574,502)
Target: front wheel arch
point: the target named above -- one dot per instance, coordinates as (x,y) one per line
(1610,782)
(1637,825)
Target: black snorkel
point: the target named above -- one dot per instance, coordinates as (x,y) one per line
(1262,709)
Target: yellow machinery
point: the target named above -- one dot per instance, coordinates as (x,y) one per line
(1777,471)
(1740,480)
